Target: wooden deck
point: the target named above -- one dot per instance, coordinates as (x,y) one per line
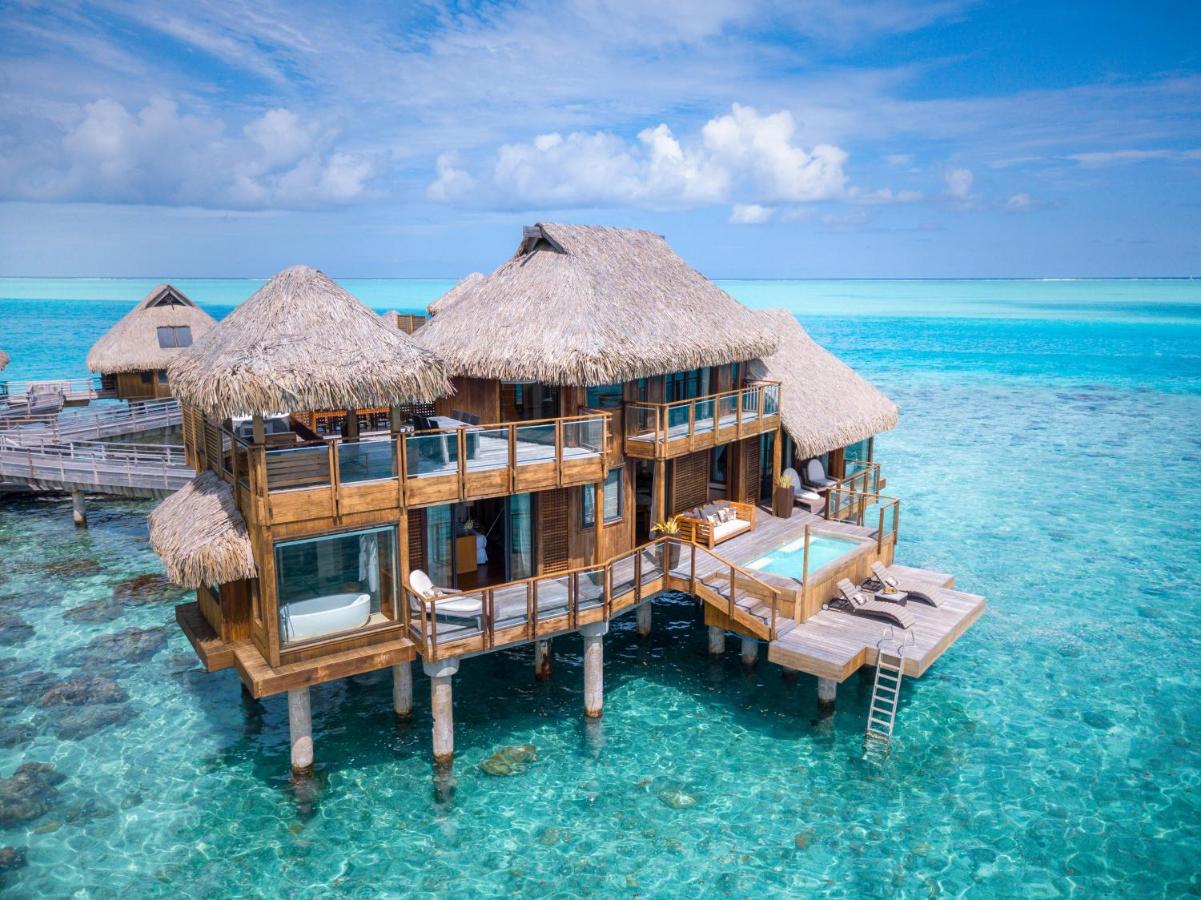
(835,644)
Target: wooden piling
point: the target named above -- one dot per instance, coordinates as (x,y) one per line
(78,510)
(717,641)
(300,730)
(542,660)
(402,689)
(643,623)
(594,668)
(440,673)
(750,651)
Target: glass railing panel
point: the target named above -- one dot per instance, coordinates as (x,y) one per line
(677,419)
(583,436)
(750,402)
(552,596)
(459,616)
(727,409)
(590,588)
(509,606)
(432,454)
(366,460)
(771,399)
(487,448)
(623,575)
(642,421)
(704,415)
(298,467)
(652,564)
(535,444)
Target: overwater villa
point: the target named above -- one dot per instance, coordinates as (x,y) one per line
(592,424)
(132,356)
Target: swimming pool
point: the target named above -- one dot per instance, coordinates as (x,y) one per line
(789,559)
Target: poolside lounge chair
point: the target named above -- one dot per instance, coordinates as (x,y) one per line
(815,476)
(884,579)
(466,609)
(801,494)
(855,602)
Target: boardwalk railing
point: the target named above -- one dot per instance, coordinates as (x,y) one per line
(151,468)
(84,388)
(92,424)
(459,622)
(665,430)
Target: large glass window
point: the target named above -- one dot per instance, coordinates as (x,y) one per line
(335,583)
(604,396)
(525,400)
(614,498)
(170,336)
(686,385)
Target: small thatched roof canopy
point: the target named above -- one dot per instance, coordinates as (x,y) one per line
(200,536)
(135,343)
(456,292)
(303,342)
(583,305)
(825,404)
(4,360)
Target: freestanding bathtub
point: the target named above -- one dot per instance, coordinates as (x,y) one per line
(319,616)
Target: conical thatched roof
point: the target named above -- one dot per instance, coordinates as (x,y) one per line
(825,404)
(4,360)
(200,536)
(303,342)
(455,293)
(132,345)
(583,305)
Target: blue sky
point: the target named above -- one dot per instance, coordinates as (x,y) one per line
(868,138)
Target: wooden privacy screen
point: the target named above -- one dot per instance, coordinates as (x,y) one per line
(689,482)
(553,552)
(750,471)
(416,539)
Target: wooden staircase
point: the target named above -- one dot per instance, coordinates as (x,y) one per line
(745,601)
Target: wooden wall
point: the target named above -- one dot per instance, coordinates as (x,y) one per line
(131,387)
(473,395)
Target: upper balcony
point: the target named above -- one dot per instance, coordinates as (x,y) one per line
(668,430)
(290,479)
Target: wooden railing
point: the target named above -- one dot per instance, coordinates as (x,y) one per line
(852,506)
(665,430)
(84,387)
(92,424)
(147,467)
(520,611)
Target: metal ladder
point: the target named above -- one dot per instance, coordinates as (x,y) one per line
(886,691)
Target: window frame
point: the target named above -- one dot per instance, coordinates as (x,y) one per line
(173,332)
(589,495)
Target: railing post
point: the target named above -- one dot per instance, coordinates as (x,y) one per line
(531,624)
(559,453)
(692,569)
(512,458)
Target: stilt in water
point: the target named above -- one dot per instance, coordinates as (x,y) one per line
(827,691)
(542,660)
(750,651)
(440,673)
(78,511)
(402,689)
(717,641)
(594,668)
(644,619)
(300,729)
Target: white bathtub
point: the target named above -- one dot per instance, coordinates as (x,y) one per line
(320,616)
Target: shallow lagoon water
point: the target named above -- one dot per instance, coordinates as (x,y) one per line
(1050,464)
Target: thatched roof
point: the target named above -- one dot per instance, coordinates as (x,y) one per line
(583,305)
(303,342)
(200,536)
(825,404)
(454,293)
(4,360)
(132,345)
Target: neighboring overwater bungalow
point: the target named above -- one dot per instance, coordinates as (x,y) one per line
(591,424)
(132,356)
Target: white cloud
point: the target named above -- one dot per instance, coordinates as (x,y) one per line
(161,155)
(1098,160)
(743,158)
(1019,202)
(959,183)
(881,196)
(750,214)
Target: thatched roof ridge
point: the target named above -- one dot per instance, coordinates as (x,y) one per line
(455,293)
(200,536)
(4,360)
(132,344)
(824,403)
(586,305)
(303,342)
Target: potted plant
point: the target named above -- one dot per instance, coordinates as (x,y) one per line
(669,528)
(782,498)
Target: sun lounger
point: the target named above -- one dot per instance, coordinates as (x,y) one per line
(855,602)
(884,579)
(464,609)
(802,494)
(815,476)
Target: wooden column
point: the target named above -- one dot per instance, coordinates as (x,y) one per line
(717,640)
(440,673)
(660,491)
(542,660)
(644,619)
(258,429)
(750,651)
(300,729)
(594,668)
(598,529)
(827,691)
(79,511)
(402,689)
(777,453)
(351,433)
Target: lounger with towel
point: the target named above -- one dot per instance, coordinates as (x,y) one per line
(855,602)
(884,579)
(815,476)
(802,494)
(464,609)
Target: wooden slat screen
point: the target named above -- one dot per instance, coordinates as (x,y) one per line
(212,446)
(552,530)
(689,482)
(750,471)
(416,539)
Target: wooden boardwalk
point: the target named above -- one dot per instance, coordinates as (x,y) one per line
(127,470)
(97,424)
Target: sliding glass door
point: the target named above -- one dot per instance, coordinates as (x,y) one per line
(520,537)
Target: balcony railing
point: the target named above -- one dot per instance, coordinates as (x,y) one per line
(435,466)
(665,430)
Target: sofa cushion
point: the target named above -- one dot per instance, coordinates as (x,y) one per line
(729,529)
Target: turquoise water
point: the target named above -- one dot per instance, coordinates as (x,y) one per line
(789,560)
(1049,461)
